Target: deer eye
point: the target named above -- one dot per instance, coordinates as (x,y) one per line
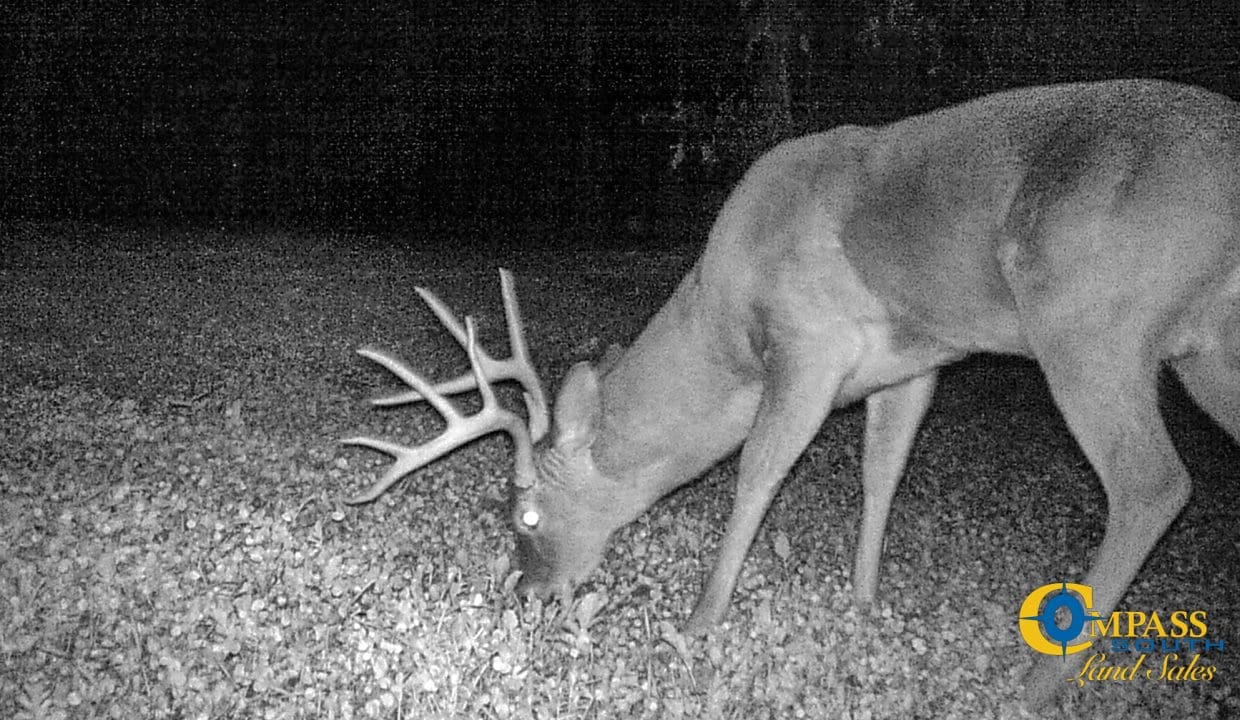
(530,519)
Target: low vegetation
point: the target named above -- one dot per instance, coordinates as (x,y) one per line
(173,541)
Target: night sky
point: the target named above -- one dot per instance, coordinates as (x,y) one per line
(509,117)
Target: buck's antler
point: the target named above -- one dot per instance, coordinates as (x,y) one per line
(484,370)
(516,367)
(461,428)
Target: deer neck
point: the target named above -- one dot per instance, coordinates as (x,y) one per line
(678,400)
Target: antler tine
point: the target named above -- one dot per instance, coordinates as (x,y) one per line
(535,399)
(518,367)
(490,367)
(461,429)
(502,419)
(424,389)
(445,315)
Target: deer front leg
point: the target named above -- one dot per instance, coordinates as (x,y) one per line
(799,385)
(892,417)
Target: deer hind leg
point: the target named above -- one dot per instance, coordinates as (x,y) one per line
(1212,375)
(892,417)
(800,381)
(1104,381)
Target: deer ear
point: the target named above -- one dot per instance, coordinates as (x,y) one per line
(577,407)
(610,358)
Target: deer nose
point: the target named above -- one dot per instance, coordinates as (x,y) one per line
(530,587)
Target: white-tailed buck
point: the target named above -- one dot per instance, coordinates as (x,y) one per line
(1092,227)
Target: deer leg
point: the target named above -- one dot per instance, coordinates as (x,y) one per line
(800,383)
(1105,383)
(892,417)
(1213,380)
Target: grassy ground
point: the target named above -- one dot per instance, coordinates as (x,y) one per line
(173,541)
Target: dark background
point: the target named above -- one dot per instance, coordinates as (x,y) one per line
(511,121)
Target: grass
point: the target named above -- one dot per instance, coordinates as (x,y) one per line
(173,541)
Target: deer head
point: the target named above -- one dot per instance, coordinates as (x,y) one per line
(562,512)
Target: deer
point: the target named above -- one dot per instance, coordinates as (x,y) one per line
(1093,227)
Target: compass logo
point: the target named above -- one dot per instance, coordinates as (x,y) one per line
(1128,640)
(1037,618)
